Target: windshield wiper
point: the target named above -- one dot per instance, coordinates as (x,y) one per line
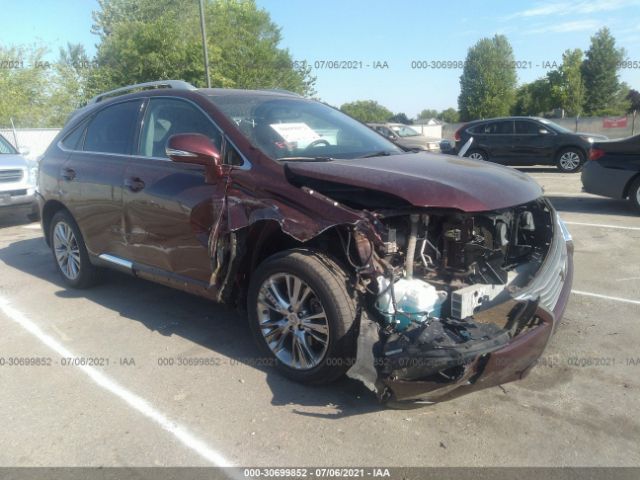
(306,159)
(382,153)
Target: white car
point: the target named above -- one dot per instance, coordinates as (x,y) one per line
(17,181)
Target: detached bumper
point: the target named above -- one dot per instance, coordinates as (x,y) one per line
(533,316)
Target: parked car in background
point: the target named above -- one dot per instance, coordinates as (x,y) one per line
(406,137)
(525,141)
(312,222)
(613,170)
(17,181)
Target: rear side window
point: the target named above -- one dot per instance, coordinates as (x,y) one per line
(503,127)
(112,130)
(72,141)
(527,128)
(170,116)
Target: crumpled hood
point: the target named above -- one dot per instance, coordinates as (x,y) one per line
(429,180)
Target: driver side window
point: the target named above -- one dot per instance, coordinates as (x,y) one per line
(170,116)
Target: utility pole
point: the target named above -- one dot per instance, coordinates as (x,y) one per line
(204,44)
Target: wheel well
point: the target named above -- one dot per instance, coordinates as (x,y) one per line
(627,187)
(568,147)
(48,211)
(266,238)
(481,150)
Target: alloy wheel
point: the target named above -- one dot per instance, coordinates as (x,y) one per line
(67,251)
(293,322)
(476,156)
(569,161)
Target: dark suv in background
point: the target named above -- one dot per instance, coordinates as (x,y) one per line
(525,141)
(316,226)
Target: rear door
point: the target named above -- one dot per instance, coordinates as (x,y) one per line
(496,139)
(91,178)
(530,146)
(168,207)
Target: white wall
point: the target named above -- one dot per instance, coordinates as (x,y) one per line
(35,139)
(434,131)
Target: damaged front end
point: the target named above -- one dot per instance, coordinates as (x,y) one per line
(462,301)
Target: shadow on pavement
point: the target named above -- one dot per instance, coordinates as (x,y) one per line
(11,219)
(213,326)
(593,205)
(543,170)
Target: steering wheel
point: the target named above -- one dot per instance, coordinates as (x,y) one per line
(317,143)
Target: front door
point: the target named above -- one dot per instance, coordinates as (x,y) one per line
(168,207)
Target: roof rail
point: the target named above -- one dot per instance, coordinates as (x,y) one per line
(177,84)
(281,90)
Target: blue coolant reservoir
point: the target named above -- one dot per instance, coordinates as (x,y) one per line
(415,301)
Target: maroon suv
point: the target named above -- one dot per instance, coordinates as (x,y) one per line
(315,224)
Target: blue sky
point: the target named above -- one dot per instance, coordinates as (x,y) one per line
(397,33)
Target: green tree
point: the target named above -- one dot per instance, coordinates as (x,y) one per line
(25,87)
(367,111)
(488,80)
(450,115)
(427,113)
(158,39)
(533,98)
(401,118)
(600,73)
(634,100)
(68,83)
(566,85)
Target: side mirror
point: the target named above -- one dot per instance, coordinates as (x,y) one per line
(197,149)
(24,150)
(543,131)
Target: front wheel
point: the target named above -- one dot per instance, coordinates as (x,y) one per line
(570,160)
(302,315)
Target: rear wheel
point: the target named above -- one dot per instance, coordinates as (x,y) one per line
(634,194)
(477,155)
(70,252)
(570,160)
(302,315)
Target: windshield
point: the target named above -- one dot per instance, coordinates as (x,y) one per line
(6,147)
(555,126)
(295,128)
(405,131)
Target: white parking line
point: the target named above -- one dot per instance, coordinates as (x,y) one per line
(606,297)
(136,402)
(600,225)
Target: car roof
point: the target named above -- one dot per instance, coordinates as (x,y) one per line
(515,117)
(229,92)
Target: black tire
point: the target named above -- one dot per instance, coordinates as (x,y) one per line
(634,194)
(87,274)
(570,160)
(476,154)
(331,287)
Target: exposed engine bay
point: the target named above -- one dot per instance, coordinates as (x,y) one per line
(443,272)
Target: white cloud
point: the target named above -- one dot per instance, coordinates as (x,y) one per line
(580,7)
(565,27)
